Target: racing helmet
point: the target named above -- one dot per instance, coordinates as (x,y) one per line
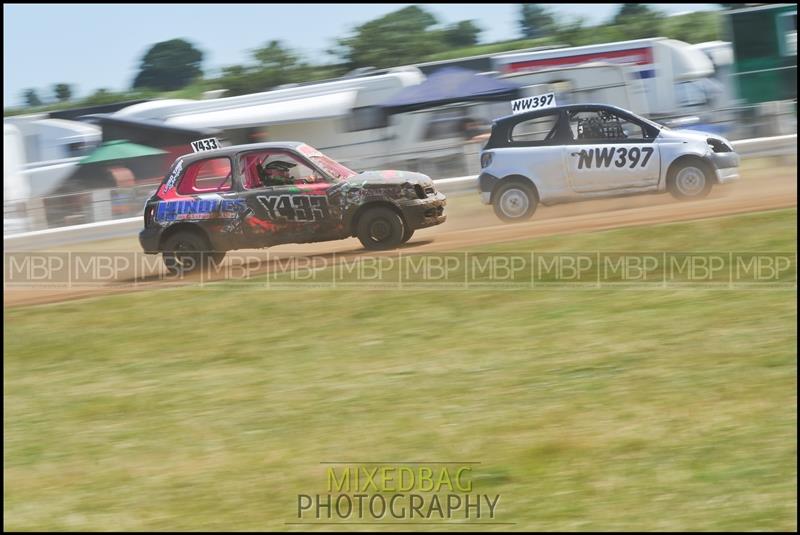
(276,172)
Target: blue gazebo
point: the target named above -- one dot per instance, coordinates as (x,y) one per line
(450,85)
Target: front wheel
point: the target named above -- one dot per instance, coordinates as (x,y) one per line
(514,202)
(407,234)
(380,228)
(689,180)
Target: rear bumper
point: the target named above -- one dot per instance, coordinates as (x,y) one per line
(486,184)
(425,212)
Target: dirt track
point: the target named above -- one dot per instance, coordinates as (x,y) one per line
(471,224)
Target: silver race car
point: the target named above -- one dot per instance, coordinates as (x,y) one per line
(583,151)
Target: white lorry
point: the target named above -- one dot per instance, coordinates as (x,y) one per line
(607,83)
(677,78)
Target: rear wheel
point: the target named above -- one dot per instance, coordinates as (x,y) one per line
(185,252)
(689,180)
(380,228)
(514,202)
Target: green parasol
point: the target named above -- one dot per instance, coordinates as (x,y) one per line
(120,149)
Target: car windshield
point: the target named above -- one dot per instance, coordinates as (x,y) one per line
(332,167)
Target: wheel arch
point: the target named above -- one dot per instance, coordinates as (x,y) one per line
(515,179)
(183,227)
(707,166)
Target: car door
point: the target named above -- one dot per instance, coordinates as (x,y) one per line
(609,153)
(534,151)
(292,208)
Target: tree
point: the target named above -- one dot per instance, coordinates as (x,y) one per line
(401,37)
(236,80)
(63,92)
(464,33)
(573,32)
(103,96)
(275,57)
(169,65)
(31,98)
(275,65)
(536,21)
(631,10)
(637,21)
(698,27)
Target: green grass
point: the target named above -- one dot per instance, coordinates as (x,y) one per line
(587,409)
(760,231)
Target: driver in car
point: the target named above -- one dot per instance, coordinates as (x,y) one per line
(275,173)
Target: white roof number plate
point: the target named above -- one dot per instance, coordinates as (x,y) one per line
(539,102)
(201,145)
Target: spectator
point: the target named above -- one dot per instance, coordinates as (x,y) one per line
(474,130)
(123,177)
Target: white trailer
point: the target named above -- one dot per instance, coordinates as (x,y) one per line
(675,75)
(50,149)
(15,183)
(46,139)
(341,117)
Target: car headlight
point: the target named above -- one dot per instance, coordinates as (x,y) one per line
(411,192)
(717,145)
(486,159)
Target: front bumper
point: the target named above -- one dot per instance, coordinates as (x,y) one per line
(726,166)
(425,212)
(729,174)
(149,238)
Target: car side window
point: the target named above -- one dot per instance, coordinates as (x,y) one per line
(207,176)
(267,168)
(537,131)
(603,125)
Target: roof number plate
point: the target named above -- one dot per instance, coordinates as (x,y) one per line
(206,144)
(522,105)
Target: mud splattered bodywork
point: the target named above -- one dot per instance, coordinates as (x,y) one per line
(240,215)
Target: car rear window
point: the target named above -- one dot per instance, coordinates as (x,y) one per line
(207,176)
(535,129)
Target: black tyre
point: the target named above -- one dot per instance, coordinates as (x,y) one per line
(407,235)
(690,179)
(185,252)
(380,228)
(514,202)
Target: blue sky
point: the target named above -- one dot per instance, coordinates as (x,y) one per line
(100,45)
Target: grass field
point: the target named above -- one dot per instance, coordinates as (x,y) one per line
(195,409)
